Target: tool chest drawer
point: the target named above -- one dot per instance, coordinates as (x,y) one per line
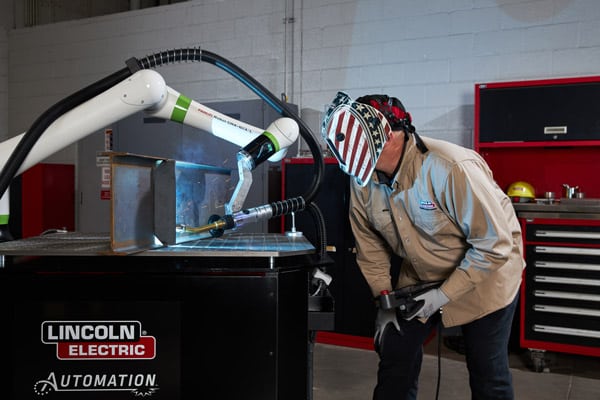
(561,287)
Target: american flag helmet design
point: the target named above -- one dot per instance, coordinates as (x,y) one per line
(355,133)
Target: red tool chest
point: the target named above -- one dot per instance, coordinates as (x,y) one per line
(547,133)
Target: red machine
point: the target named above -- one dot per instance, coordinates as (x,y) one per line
(48,198)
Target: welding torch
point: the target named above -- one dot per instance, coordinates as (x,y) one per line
(218,224)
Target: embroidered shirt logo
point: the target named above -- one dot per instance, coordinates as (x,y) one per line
(427,205)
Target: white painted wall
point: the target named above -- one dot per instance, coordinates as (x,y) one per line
(428,53)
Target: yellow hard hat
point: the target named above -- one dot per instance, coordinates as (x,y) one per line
(521,191)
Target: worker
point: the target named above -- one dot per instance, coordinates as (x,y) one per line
(436,205)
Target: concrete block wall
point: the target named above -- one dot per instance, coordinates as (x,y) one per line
(5,25)
(428,53)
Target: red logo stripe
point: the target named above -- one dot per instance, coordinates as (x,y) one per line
(143,349)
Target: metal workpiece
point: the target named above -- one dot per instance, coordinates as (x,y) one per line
(132,202)
(186,194)
(152,198)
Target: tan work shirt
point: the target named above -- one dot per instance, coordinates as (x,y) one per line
(446,217)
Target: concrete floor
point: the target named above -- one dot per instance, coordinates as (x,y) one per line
(345,373)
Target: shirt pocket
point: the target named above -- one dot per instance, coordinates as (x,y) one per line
(430,221)
(379,211)
(381,220)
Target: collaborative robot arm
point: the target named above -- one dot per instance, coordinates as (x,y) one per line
(146,90)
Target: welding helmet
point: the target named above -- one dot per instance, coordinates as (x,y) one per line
(355,132)
(521,192)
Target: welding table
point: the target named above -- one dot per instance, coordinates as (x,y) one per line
(218,318)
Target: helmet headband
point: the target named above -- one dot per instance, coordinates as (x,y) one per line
(392,109)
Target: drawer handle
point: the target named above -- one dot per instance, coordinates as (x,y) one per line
(568,234)
(567,250)
(566,310)
(566,281)
(555,130)
(566,331)
(553,294)
(566,265)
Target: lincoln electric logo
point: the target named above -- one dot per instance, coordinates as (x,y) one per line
(99,340)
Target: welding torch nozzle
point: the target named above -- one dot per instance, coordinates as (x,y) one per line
(218,225)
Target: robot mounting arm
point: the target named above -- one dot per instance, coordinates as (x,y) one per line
(146,90)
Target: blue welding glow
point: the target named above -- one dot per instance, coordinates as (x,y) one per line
(200,190)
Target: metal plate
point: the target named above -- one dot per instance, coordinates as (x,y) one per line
(231,245)
(132,204)
(62,244)
(239,245)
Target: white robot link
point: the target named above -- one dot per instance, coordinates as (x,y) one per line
(146,90)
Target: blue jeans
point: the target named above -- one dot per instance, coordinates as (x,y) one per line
(486,350)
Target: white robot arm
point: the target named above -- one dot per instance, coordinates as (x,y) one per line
(146,90)
(140,91)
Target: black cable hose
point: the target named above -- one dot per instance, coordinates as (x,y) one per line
(19,154)
(317,215)
(439,361)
